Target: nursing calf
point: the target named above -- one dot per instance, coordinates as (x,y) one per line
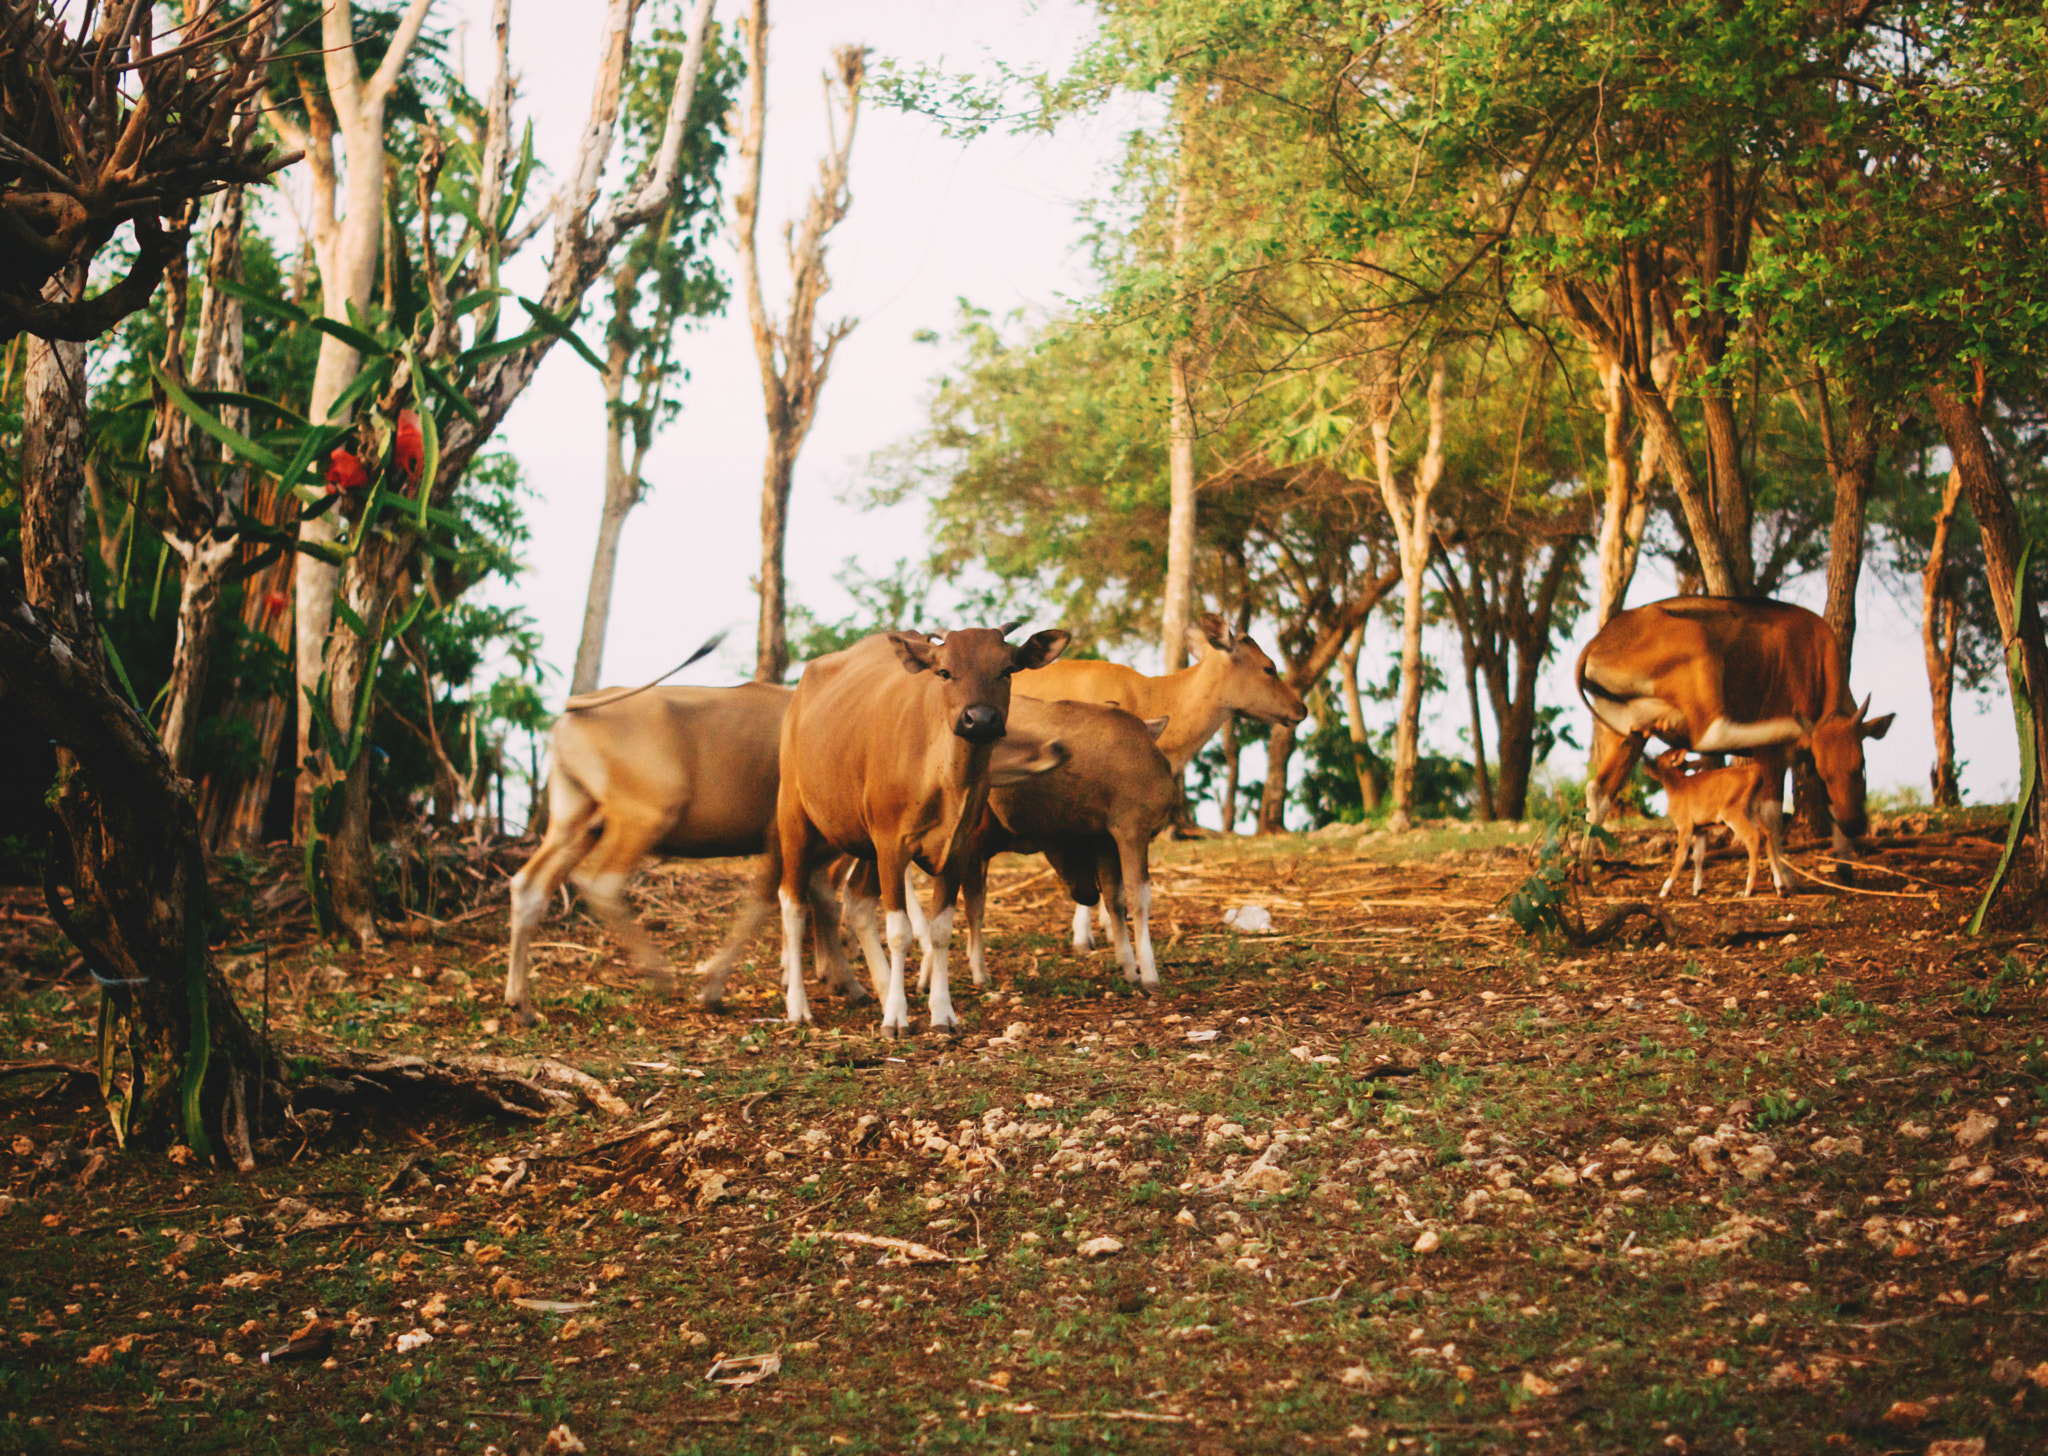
(1697,798)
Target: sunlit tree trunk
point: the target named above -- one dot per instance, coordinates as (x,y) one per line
(1363,759)
(1279,758)
(793,361)
(1409,508)
(1177,602)
(1941,618)
(1998,526)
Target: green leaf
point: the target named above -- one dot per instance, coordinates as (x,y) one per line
(555,324)
(355,338)
(449,392)
(497,348)
(470,302)
(236,441)
(262,302)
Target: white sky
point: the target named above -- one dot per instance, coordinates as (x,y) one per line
(932,221)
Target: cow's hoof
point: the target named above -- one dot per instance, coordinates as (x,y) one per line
(894,1033)
(708,1001)
(1151,987)
(946,1028)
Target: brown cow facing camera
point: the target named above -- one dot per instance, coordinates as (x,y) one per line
(887,754)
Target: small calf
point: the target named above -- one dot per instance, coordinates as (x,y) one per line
(1699,797)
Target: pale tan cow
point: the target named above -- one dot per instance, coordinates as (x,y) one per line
(683,771)
(887,751)
(1230,674)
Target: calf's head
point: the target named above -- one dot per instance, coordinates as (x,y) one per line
(1248,680)
(974,665)
(1836,743)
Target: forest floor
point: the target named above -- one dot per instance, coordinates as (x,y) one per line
(1393,1178)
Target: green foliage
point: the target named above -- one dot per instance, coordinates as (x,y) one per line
(1542,904)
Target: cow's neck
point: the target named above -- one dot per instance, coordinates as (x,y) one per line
(965,796)
(1191,701)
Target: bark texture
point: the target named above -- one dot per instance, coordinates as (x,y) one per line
(793,360)
(1408,506)
(1998,524)
(1941,617)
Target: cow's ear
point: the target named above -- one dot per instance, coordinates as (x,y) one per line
(915,650)
(1156,726)
(1040,648)
(1878,727)
(1217,632)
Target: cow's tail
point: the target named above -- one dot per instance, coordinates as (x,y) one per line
(584,702)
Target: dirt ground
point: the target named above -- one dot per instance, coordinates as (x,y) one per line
(1394,1178)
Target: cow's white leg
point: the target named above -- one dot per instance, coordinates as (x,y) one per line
(1083,939)
(895,1004)
(1148,970)
(861,915)
(1120,942)
(529,903)
(919,928)
(1771,811)
(975,892)
(798,1008)
(943,1018)
(1699,862)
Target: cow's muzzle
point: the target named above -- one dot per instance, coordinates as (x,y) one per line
(979,724)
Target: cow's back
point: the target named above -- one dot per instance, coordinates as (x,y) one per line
(1775,659)
(1113,766)
(706,758)
(1084,680)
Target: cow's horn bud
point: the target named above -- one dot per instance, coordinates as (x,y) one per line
(1862,711)
(1008,627)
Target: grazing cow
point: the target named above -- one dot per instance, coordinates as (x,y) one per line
(686,771)
(886,755)
(1094,819)
(1723,675)
(1696,797)
(1230,674)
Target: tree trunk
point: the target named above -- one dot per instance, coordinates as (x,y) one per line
(1482,781)
(1177,602)
(199,588)
(140,906)
(778,476)
(1940,617)
(621,494)
(234,798)
(1273,802)
(1852,467)
(793,362)
(1998,526)
(1233,759)
(1410,511)
(370,583)
(1363,760)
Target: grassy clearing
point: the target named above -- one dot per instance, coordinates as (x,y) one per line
(1393,1179)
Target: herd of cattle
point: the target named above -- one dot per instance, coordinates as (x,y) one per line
(944,751)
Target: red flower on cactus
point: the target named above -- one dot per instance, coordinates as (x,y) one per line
(345,472)
(407,445)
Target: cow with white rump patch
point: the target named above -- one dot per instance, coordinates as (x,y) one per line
(888,753)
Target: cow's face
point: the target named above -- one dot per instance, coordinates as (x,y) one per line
(1250,680)
(973,667)
(1837,746)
